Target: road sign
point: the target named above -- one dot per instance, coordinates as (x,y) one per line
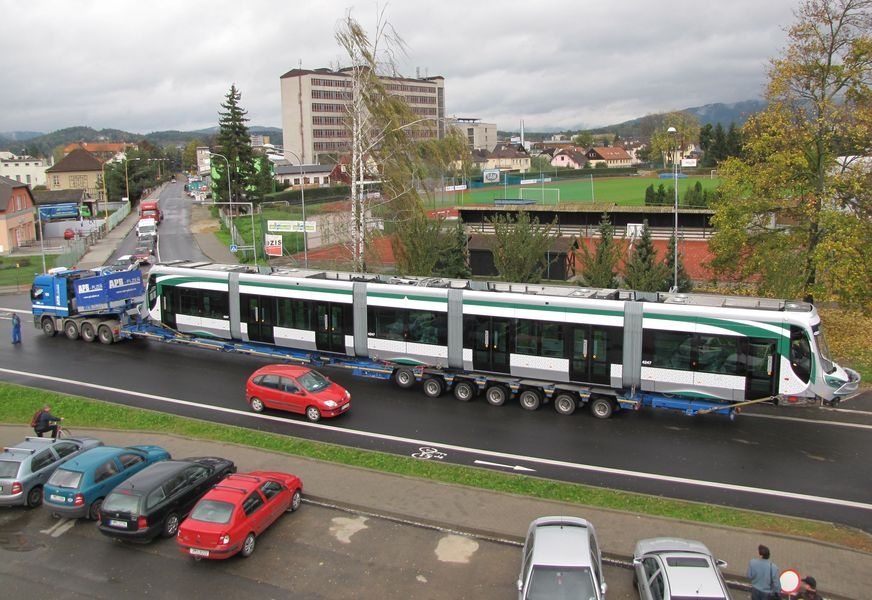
(291,226)
(234,248)
(273,245)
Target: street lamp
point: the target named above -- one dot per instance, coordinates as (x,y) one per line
(673,132)
(229,197)
(126,178)
(303,206)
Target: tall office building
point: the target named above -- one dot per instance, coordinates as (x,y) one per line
(315,110)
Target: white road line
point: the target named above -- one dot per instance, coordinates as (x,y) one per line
(502,455)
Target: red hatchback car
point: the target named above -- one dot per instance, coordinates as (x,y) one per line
(296,389)
(231,515)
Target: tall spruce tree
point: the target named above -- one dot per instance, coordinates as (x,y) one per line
(600,268)
(643,272)
(684,282)
(234,143)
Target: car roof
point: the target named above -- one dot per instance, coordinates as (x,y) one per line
(31,445)
(279,369)
(94,456)
(235,487)
(561,541)
(689,565)
(154,475)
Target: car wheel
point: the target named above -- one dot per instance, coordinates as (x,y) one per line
(601,407)
(433,387)
(71,330)
(296,501)
(404,377)
(171,526)
(565,404)
(34,497)
(87,332)
(256,405)
(313,414)
(104,333)
(531,399)
(496,395)
(48,328)
(464,391)
(94,509)
(247,546)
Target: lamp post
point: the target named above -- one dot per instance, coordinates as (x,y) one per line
(105,197)
(127,178)
(229,197)
(673,132)
(303,207)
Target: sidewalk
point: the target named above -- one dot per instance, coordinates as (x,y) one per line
(842,574)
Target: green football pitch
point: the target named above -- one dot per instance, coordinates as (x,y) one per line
(626,191)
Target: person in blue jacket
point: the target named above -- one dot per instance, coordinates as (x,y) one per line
(764,576)
(16,328)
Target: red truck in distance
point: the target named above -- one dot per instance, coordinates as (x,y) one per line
(150,210)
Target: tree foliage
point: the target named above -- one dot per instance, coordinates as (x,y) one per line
(600,268)
(428,247)
(789,204)
(519,246)
(643,272)
(684,282)
(234,143)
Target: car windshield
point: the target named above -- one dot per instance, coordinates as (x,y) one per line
(9,468)
(125,503)
(65,479)
(559,583)
(313,381)
(212,511)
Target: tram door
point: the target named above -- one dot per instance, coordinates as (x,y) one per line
(258,312)
(588,349)
(167,305)
(331,321)
(488,337)
(762,369)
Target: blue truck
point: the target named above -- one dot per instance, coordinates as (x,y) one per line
(87,304)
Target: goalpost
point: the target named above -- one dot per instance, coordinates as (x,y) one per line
(540,193)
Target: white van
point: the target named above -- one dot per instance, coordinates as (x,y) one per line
(146,227)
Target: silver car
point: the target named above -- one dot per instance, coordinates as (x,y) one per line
(561,559)
(25,467)
(671,568)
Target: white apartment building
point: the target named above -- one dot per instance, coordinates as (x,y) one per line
(480,136)
(315,110)
(25,169)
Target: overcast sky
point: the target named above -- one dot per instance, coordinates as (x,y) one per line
(564,64)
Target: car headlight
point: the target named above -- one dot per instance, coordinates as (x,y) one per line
(330,403)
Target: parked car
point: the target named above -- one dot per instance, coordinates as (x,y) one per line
(561,559)
(154,501)
(143,254)
(230,517)
(25,467)
(296,389)
(78,487)
(667,568)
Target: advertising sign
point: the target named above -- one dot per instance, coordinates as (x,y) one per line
(291,226)
(94,293)
(273,245)
(490,175)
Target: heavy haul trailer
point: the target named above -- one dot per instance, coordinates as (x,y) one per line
(86,304)
(570,346)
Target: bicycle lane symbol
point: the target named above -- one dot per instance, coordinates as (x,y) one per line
(428,453)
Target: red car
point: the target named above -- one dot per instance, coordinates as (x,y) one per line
(296,389)
(228,519)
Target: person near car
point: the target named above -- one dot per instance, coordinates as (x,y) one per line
(809,589)
(16,328)
(47,422)
(764,575)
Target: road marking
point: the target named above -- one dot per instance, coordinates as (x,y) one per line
(493,454)
(512,467)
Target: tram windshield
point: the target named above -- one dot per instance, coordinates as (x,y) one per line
(823,349)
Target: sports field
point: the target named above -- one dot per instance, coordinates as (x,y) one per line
(626,191)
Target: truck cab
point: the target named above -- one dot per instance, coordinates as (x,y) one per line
(146,231)
(150,210)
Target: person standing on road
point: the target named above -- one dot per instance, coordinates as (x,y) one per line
(764,576)
(16,328)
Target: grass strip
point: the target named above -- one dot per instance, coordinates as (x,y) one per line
(17,405)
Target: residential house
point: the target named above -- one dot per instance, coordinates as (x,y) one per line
(16,215)
(78,170)
(26,169)
(613,157)
(571,158)
(289,174)
(505,157)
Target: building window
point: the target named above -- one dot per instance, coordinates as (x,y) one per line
(55,181)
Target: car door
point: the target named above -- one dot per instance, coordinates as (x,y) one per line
(42,465)
(292,393)
(256,514)
(276,497)
(196,483)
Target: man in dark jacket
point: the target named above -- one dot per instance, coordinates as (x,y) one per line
(47,422)
(809,591)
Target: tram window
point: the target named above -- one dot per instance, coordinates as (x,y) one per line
(294,314)
(428,327)
(667,349)
(215,305)
(526,338)
(552,339)
(387,323)
(718,354)
(800,353)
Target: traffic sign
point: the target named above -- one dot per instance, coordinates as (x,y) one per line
(234,248)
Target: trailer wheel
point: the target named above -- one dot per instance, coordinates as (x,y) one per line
(602,407)
(433,387)
(496,395)
(71,330)
(531,399)
(565,403)
(104,334)
(464,391)
(87,332)
(48,328)
(404,377)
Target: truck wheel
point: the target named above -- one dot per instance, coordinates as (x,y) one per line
(433,387)
(464,391)
(48,328)
(531,399)
(404,377)
(496,395)
(602,407)
(565,404)
(71,330)
(104,333)
(87,332)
